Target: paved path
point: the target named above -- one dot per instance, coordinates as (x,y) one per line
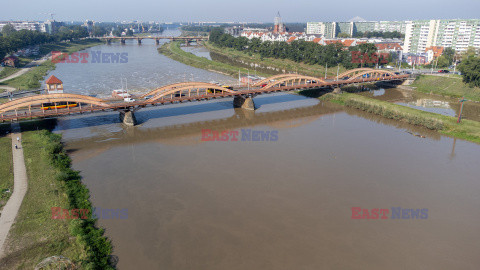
(25,69)
(10,210)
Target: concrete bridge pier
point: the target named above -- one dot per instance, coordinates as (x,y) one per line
(128,117)
(139,40)
(157,41)
(108,41)
(122,41)
(243,102)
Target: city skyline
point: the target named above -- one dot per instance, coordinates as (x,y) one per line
(247,11)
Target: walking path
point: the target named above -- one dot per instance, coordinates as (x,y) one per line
(25,69)
(10,210)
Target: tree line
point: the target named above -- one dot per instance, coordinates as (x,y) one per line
(12,40)
(299,50)
(372,34)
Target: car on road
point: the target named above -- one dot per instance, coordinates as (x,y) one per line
(129,99)
(443,71)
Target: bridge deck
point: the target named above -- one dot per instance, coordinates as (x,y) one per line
(112,106)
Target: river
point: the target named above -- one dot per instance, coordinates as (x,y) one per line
(283,203)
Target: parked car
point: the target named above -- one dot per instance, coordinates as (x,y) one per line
(443,71)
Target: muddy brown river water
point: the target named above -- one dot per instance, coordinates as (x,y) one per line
(278,204)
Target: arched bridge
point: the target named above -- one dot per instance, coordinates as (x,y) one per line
(64,104)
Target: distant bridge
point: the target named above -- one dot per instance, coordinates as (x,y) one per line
(30,107)
(157,39)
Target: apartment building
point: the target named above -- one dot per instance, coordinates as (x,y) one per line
(457,34)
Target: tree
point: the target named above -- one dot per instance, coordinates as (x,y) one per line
(8,29)
(470,69)
(129,32)
(98,31)
(343,35)
(470,52)
(443,61)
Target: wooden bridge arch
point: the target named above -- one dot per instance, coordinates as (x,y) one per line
(293,79)
(275,77)
(190,91)
(375,73)
(159,90)
(353,72)
(50,98)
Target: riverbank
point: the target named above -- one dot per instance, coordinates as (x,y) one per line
(447,125)
(31,79)
(446,86)
(51,183)
(281,65)
(173,51)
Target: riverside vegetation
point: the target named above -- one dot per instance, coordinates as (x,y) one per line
(52,183)
(467,129)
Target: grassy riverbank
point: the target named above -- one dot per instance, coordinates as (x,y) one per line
(467,129)
(51,183)
(6,170)
(31,79)
(286,65)
(446,86)
(173,51)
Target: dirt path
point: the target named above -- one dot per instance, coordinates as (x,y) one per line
(10,210)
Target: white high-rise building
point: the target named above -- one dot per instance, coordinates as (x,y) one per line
(315,28)
(457,34)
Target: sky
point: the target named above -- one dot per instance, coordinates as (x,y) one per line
(237,11)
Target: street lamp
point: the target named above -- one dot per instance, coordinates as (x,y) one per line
(461,110)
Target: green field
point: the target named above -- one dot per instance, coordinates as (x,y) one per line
(467,129)
(31,79)
(173,51)
(69,47)
(446,86)
(7,71)
(6,170)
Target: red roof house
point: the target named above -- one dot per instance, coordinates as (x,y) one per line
(54,85)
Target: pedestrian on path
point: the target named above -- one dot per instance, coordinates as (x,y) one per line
(16,147)
(18,139)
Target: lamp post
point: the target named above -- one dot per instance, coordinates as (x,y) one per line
(461,110)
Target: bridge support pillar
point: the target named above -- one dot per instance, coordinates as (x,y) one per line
(139,40)
(108,41)
(128,118)
(122,41)
(243,102)
(157,41)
